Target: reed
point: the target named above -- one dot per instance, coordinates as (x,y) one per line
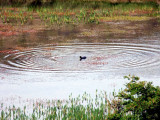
(82,107)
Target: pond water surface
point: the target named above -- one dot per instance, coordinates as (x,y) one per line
(47,64)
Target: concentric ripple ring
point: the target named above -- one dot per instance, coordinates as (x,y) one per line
(100,57)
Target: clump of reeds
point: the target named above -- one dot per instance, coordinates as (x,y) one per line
(83,107)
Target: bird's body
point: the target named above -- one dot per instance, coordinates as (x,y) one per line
(82,57)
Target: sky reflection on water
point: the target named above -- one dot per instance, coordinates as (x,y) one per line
(51,69)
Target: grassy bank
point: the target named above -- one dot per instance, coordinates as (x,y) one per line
(27,19)
(78,12)
(138,101)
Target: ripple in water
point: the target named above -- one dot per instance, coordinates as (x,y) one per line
(101,57)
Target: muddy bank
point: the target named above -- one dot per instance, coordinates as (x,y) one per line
(25,36)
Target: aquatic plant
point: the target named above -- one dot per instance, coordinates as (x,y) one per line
(82,107)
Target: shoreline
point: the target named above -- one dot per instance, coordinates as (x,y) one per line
(29,20)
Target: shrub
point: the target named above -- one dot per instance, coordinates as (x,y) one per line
(139,100)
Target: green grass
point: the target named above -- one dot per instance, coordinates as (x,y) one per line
(77,12)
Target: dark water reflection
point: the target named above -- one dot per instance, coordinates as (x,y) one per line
(46,64)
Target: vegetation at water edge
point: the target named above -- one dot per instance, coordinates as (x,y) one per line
(76,12)
(140,100)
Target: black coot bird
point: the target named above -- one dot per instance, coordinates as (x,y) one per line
(82,57)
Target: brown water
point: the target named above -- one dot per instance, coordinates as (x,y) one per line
(47,65)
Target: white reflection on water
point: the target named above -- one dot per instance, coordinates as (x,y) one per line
(53,72)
